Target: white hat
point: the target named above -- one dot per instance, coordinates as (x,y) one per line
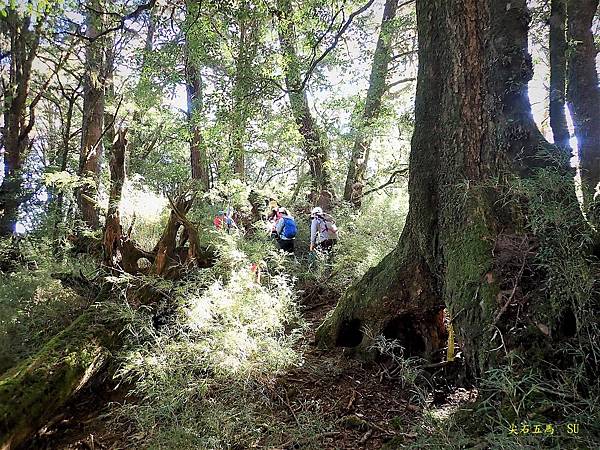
(316,210)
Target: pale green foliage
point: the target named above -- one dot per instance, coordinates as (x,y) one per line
(367,235)
(232,336)
(64,181)
(33,305)
(557,222)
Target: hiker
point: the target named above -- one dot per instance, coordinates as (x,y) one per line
(323,231)
(223,220)
(272,205)
(273,216)
(255,270)
(286,231)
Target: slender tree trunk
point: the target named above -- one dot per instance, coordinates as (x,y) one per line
(362,143)
(24,42)
(238,122)
(242,85)
(115,256)
(109,89)
(198,158)
(149,35)
(315,140)
(59,212)
(583,97)
(558,71)
(195,103)
(93,117)
(474,131)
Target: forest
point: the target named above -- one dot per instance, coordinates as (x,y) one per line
(299,224)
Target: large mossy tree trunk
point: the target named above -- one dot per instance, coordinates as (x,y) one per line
(583,97)
(353,188)
(474,132)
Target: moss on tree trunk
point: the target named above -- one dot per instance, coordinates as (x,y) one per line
(474,136)
(35,390)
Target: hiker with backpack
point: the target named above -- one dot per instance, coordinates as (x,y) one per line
(286,230)
(224,220)
(272,219)
(323,231)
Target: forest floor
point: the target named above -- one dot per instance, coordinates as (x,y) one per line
(360,405)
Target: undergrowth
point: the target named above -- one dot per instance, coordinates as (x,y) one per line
(203,380)
(33,305)
(206,377)
(554,403)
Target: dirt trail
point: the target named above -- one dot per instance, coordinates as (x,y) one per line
(363,408)
(359,406)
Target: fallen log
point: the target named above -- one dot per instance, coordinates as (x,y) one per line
(33,392)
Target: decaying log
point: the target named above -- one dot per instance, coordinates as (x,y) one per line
(120,253)
(170,258)
(35,390)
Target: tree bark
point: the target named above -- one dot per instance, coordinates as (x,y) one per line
(93,116)
(24,41)
(558,73)
(198,158)
(583,97)
(315,142)
(108,69)
(114,256)
(242,86)
(362,143)
(195,103)
(33,392)
(473,129)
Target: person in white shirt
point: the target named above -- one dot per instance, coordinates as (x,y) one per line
(323,231)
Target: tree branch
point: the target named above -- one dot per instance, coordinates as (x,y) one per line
(396,83)
(392,180)
(132,15)
(316,61)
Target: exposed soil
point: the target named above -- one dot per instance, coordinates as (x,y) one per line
(363,405)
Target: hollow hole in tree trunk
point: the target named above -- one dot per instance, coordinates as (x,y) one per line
(405,330)
(350,334)
(567,324)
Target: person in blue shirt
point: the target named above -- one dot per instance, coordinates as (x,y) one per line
(286,231)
